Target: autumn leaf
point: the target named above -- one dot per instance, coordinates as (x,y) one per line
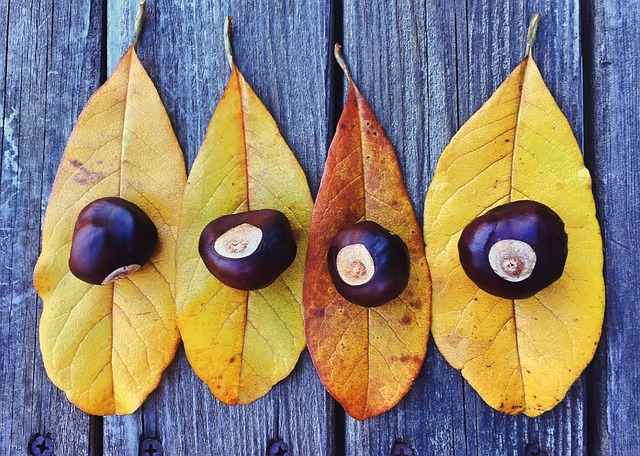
(239,342)
(520,355)
(106,346)
(366,357)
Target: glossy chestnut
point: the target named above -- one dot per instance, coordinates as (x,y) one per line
(369,266)
(112,238)
(514,250)
(249,250)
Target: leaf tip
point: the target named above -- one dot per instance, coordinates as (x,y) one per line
(227,41)
(337,52)
(139,22)
(531,33)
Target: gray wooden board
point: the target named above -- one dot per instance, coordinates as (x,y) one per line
(612,127)
(50,65)
(281,48)
(429,68)
(425,68)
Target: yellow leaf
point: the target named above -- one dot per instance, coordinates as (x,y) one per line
(520,355)
(106,346)
(241,342)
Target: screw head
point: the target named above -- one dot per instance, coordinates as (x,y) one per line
(279,448)
(533,448)
(41,445)
(151,447)
(402,449)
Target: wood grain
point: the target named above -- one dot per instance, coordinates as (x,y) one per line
(46,53)
(612,123)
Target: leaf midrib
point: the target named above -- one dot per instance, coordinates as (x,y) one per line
(131,53)
(239,79)
(513,161)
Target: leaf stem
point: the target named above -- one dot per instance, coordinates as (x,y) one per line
(531,33)
(139,23)
(337,52)
(228,50)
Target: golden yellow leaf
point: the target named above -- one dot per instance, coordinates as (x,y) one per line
(106,346)
(520,355)
(241,342)
(366,357)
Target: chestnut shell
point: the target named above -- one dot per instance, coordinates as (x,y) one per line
(274,254)
(527,221)
(391,259)
(110,233)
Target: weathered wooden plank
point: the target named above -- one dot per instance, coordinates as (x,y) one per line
(50,55)
(282,49)
(429,68)
(611,142)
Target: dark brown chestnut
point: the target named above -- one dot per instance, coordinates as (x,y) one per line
(112,238)
(248,250)
(514,250)
(369,265)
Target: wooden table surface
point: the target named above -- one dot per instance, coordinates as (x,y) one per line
(425,67)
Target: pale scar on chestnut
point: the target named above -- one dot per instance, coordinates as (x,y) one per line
(355,264)
(238,242)
(512,260)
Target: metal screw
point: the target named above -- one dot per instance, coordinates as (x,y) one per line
(279,448)
(402,449)
(533,447)
(41,445)
(151,447)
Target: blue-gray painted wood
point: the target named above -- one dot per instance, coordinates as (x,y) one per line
(50,65)
(425,68)
(612,126)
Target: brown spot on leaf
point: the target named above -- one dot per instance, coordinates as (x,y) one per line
(453,340)
(85,176)
(406,320)
(405,358)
